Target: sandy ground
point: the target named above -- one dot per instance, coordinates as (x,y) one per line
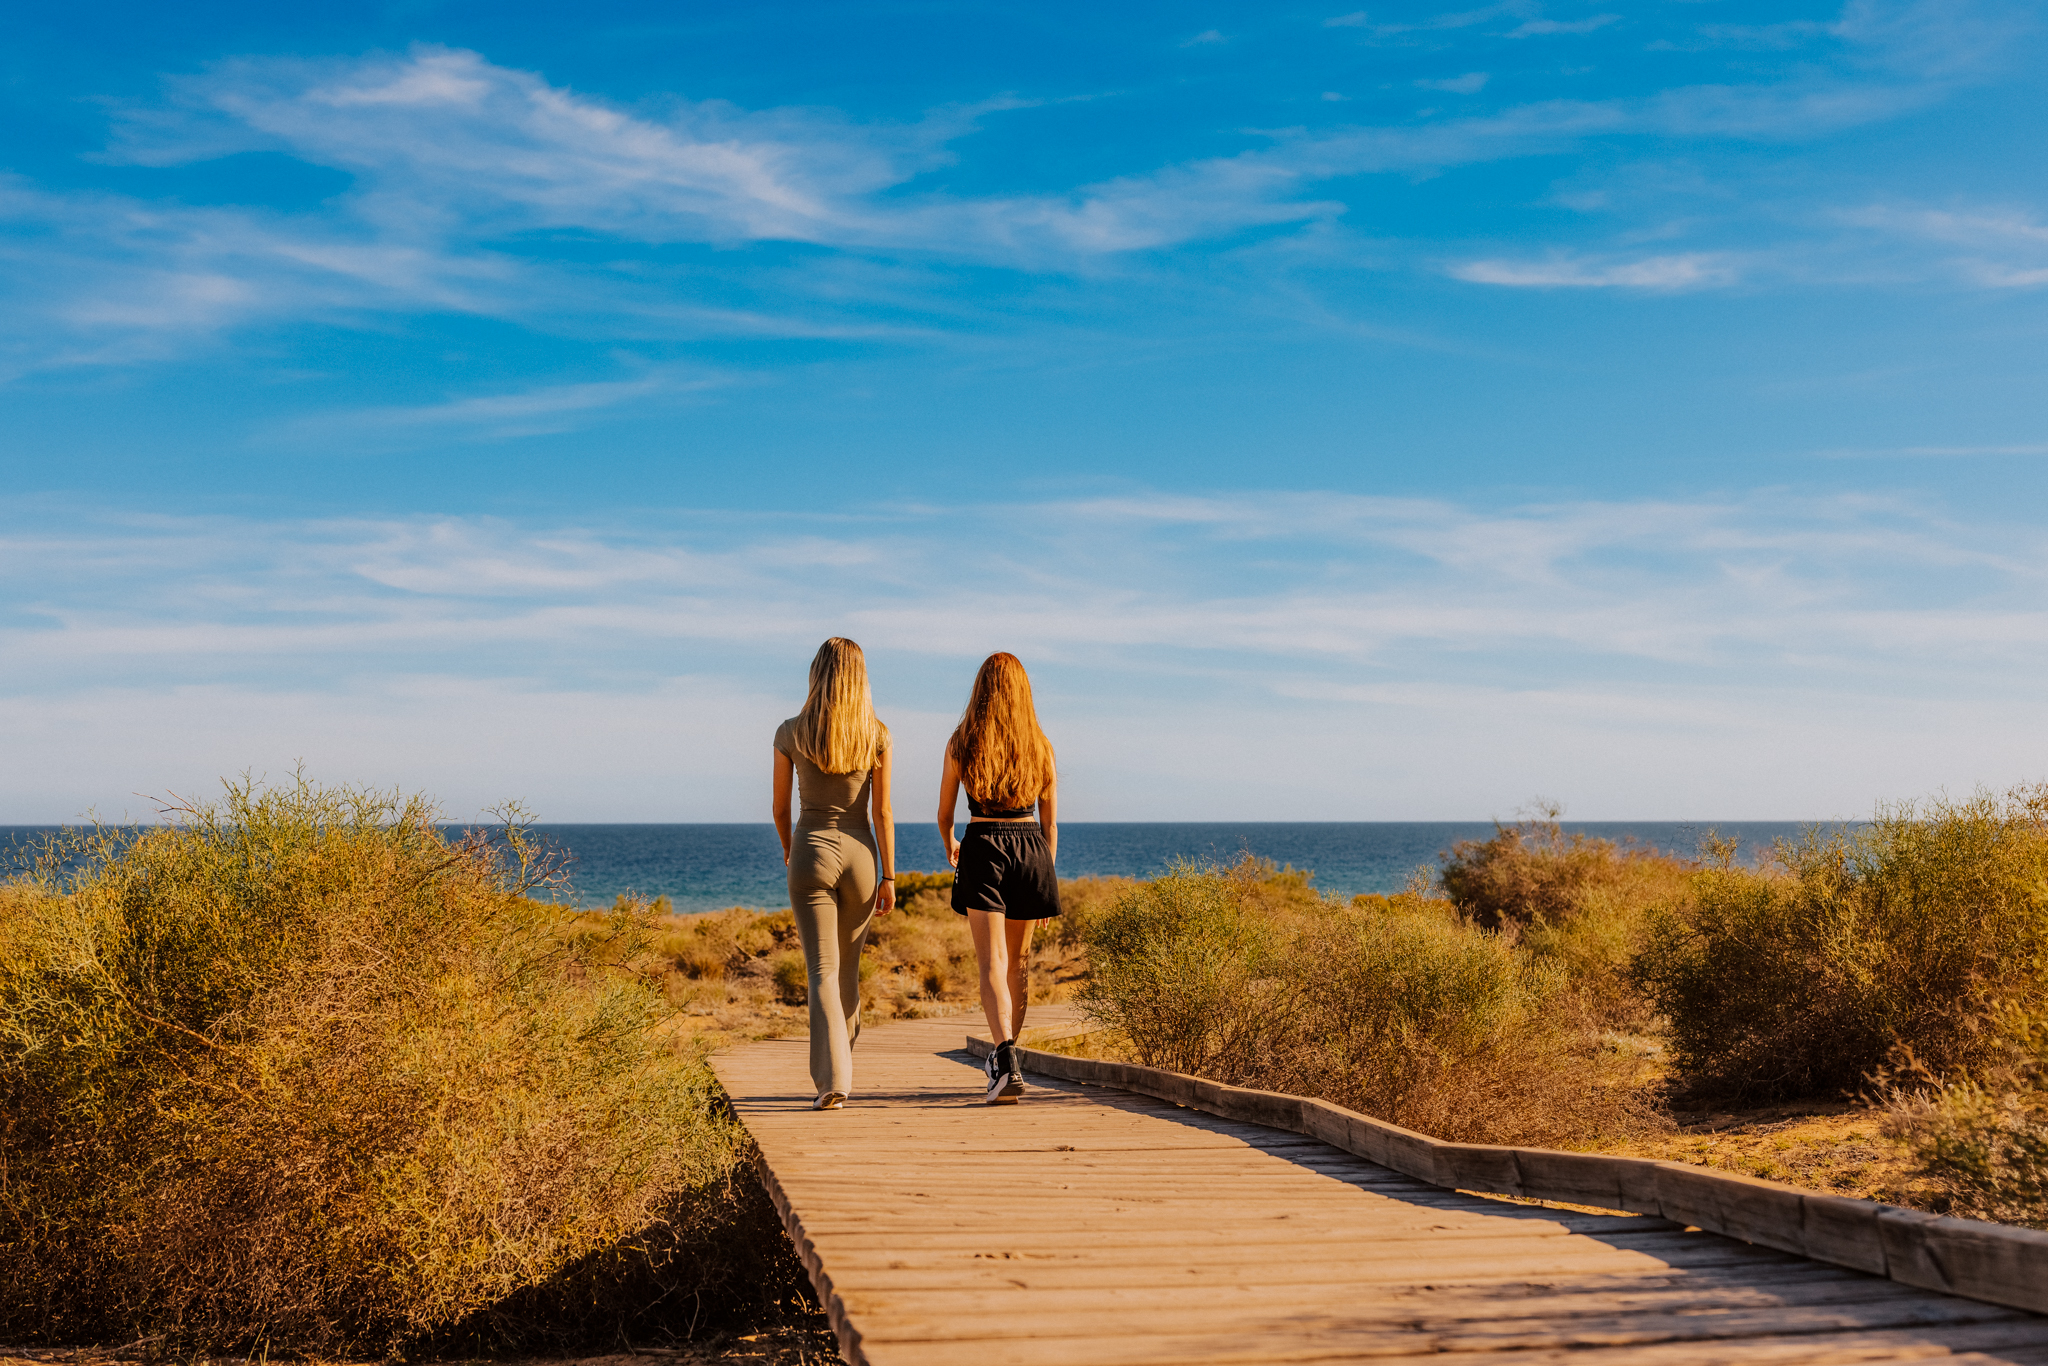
(1835,1147)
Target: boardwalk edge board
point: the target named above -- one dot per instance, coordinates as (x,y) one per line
(821,1279)
(1996,1263)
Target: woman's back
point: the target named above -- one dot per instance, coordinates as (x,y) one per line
(828,801)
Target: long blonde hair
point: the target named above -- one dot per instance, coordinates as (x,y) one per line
(837,730)
(1004,758)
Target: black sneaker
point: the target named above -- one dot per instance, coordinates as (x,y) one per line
(1004,1086)
(1016,1069)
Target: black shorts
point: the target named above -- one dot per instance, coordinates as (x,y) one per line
(1006,867)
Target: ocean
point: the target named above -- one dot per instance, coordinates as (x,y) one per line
(711,867)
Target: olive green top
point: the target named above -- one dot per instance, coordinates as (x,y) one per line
(830,801)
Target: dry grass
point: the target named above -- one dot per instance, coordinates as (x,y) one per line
(1980,1142)
(1842,1148)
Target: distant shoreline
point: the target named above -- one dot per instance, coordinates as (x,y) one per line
(709,866)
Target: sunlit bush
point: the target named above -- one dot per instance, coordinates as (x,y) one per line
(1393,1006)
(1576,900)
(296,1071)
(1923,936)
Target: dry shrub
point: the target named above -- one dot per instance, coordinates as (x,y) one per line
(910,883)
(1392,1006)
(791,976)
(1981,1141)
(1082,900)
(711,946)
(298,1072)
(1580,902)
(1925,934)
(921,953)
(1196,979)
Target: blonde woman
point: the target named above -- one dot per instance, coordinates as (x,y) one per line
(841,869)
(1004,883)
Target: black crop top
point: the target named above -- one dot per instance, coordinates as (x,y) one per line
(988,813)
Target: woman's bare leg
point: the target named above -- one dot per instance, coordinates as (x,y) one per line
(993,935)
(1018,943)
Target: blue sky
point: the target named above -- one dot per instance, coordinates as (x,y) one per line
(1396,413)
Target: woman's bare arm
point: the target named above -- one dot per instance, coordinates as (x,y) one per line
(1048,817)
(885,837)
(949,797)
(785,777)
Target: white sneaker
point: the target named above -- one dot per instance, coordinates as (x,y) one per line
(830,1100)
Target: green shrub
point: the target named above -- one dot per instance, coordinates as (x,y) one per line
(1392,1006)
(1925,934)
(1082,899)
(298,1072)
(1578,901)
(1193,977)
(1535,872)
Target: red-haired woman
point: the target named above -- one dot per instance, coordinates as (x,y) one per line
(1005,882)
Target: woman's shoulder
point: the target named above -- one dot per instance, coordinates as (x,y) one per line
(785,737)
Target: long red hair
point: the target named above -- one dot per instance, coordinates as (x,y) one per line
(1004,758)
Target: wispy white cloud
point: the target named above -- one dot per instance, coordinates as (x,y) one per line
(526,412)
(1696,270)
(461,170)
(2025,448)
(1533,28)
(1703,623)
(1471,83)
(2004,247)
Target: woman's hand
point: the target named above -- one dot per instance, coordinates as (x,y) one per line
(885,896)
(949,794)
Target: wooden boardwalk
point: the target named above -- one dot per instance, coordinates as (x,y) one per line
(1094,1226)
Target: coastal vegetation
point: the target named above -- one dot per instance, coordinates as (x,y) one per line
(1395,1006)
(1863,1010)
(1918,943)
(295,1071)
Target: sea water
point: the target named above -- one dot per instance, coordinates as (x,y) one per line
(710,867)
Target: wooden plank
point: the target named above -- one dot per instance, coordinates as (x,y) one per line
(1366,1333)
(912,1269)
(1304,1338)
(1202,1247)
(963,1231)
(1443,1306)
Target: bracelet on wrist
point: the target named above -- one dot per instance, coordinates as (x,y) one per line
(891,877)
